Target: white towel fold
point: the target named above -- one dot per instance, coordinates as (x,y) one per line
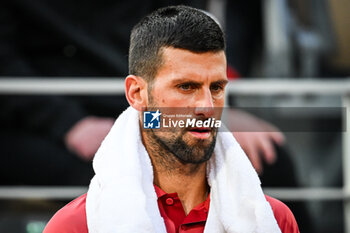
(121,196)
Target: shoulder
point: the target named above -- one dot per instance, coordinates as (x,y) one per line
(70,219)
(283,216)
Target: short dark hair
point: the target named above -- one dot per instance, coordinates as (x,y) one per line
(174,26)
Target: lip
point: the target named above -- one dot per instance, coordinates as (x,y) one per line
(200,132)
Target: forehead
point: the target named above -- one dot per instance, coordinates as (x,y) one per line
(177,63)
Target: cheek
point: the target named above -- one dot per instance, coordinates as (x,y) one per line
(219,102)
(219,106)
(168,98)
(172,101)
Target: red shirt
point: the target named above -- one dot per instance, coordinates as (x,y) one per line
(72,217)
(174,215)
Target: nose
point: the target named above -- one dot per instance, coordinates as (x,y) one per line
(205,106)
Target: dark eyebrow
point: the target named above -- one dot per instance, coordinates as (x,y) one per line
(184,81)
(220,82)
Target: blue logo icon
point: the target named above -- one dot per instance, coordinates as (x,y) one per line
(151,119)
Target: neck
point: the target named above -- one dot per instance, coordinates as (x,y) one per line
(171,175)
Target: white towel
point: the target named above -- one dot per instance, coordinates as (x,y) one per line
(121,196)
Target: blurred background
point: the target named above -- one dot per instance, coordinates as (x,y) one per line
(62,65)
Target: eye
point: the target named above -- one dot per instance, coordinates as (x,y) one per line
(216,87)
(188,86)
(185,86)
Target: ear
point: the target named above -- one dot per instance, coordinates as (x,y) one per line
(136,92)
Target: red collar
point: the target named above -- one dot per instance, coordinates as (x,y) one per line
(174,216)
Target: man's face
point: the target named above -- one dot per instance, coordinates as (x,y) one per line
(193,82)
